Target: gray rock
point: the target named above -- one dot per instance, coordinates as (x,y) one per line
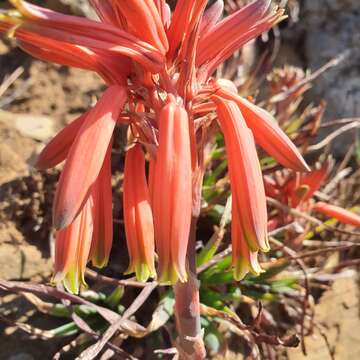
(21,356)
(332,27)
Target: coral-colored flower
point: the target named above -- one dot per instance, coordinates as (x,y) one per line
(245,174)
(86,156)
(341,214)
(267,133)
(72,248)
(142,19)
(138,217)
(297,191)
(157,67)
(231,33)
(172,192)
(249,224)
(101,193)
(244,260)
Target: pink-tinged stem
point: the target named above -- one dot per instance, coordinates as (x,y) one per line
(187,300)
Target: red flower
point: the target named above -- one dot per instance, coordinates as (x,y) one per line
(138,217)
(172,192)
(157,67)
(341,214)
(249,216)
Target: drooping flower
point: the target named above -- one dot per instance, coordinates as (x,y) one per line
(86,156)
(101,193)
(267,133)
(298,190)
(249,216)
(138,217)
(244,260)
(72,248)
(172,192)
(158,70)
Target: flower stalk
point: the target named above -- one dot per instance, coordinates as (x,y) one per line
(187,300)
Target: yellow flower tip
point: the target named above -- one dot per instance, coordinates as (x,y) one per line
(73,280)
(144,272)
(99,261)
(282,16)
(256,270)
(240,270)
(12,16)
(172,275)
(13,21)
(266,248)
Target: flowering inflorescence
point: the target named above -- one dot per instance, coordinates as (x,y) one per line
(297,191)
(158,67)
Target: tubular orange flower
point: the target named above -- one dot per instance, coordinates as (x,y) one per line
(231,27)
(243,259)
(245,175)
(86,156)
(102,39)
(72,247)
(151,178)
(211,17)
(267,133)
(180,20)
(343,215)
(106,13)
(101,194)
(144,21)
(138,217)
(164,11)
(172,193)
(234,31)
(146,56)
